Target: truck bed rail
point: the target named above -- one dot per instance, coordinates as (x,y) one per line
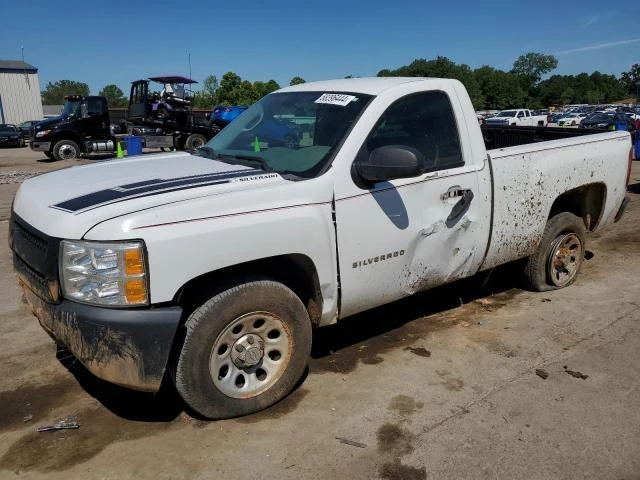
(498,136)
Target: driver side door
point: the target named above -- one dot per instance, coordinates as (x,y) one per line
(401,236)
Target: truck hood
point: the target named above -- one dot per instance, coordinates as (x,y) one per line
(69,202)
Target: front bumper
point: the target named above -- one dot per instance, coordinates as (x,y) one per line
(128,347)
(9,141)
(39,146)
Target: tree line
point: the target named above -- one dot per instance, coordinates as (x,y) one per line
(489,88)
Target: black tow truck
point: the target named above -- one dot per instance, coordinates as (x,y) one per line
(162,120)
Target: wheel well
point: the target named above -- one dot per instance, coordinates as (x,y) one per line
(67,136)
(296,271)
(586,202)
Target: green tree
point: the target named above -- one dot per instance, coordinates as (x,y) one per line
(210,85)
(501,90)
(630,78)
(229,89)
(207,97)
(568,96)
(531,66)
(54,93)
(115,97)
(297,81)
(441,67)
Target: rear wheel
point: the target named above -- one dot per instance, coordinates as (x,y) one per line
(195,140)
(559,257)
(66,150)
(244,350)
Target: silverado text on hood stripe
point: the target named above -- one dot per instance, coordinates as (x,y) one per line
(146,188)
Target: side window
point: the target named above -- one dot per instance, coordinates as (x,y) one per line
(520,114)
(94,106)
(423,121)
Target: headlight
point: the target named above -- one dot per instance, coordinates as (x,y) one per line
(104,273)
(42,133)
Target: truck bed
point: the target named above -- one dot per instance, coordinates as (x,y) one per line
(500,136)
(528,178)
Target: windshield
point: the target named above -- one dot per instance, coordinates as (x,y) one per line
(507,113)
(292,132)
(71,107)
(601,117)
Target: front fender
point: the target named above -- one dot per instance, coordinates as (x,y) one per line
(184,242)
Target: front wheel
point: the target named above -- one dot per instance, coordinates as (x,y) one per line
(559,257)
(244,350)
(66,150)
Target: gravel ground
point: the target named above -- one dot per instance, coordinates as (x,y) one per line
(474,380)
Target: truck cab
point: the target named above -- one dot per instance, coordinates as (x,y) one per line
(83,122)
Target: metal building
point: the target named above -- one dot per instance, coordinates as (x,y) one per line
(19,92)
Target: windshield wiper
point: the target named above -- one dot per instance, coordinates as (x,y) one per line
(207,152)
(249,161)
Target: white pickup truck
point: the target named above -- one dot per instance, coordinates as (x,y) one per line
(322,200)
(521,117)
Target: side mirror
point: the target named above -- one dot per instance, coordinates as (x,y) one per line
(84,111)
(390,162)
(207,116)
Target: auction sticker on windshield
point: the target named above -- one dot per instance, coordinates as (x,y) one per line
(336,99)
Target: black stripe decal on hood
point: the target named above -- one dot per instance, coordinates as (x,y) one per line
(146,188)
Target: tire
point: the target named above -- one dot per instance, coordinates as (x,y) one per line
(50,155)
(66,150)
(573,124)
(549,268)
(211,375)
(194,140)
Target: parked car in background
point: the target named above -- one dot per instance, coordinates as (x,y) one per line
(608,121)
(519,117)
(555,116)
(25,127)
(224,115)
(10,136)
(571,119)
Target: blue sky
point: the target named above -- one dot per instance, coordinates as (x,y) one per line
(117,42)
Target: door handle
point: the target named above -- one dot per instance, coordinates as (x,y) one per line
(453,192)
(461,207)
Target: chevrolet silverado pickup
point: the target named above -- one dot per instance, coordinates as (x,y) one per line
(210,268)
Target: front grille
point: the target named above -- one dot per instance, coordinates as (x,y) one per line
(33,239)
(35,258)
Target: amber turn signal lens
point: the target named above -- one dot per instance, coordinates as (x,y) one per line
(135,291)
(133,262)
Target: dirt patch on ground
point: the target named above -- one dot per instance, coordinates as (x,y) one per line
(405,405)
(366,337)
(61,450)
(35,402)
